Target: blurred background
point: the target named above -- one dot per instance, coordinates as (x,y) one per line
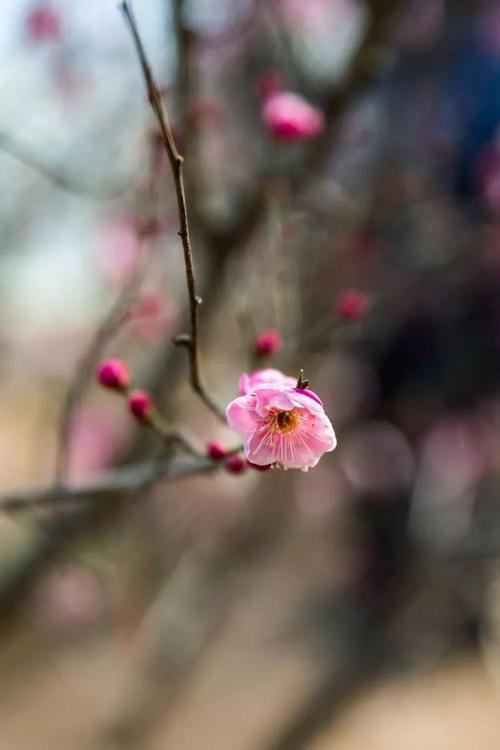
(355,604)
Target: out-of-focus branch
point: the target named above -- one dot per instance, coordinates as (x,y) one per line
(110,325)
(191,340)
(119,482)
(187,613)
(23,153)
(173,634)
(365,68)
(86,368)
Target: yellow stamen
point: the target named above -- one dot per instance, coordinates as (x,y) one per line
(284,421)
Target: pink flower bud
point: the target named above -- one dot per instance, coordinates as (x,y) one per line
(235,465)
(216,450)
(140,404)
(113,373)
(268,342)
(290,117)
(352,304)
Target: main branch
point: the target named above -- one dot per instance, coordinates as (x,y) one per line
(119,482)
(191,340)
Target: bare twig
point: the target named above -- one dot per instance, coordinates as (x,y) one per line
(24,154)
(170,434)
(191,340)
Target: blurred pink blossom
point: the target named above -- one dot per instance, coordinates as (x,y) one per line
(316,12)
(148,317)
(291,117)
(120,250)
(43,23)
(96,439)
(69,598)
(487,174)
(458,449)
(376,457)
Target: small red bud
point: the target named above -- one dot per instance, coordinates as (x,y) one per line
(267,343)
(216,451)
(113,373)
(235,465)
(140,404)
(352,304)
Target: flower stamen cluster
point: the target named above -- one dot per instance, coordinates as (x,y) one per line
(284,421)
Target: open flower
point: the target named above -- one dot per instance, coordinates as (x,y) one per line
(281,425)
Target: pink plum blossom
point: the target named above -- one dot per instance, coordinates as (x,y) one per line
(290,117)
(280,424)
(269,377)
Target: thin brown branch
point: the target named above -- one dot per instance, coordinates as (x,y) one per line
(191,340)
(25,155)
(170,435)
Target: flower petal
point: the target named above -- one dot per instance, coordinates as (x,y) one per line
(241,415)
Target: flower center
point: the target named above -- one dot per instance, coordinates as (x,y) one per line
(284,421)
